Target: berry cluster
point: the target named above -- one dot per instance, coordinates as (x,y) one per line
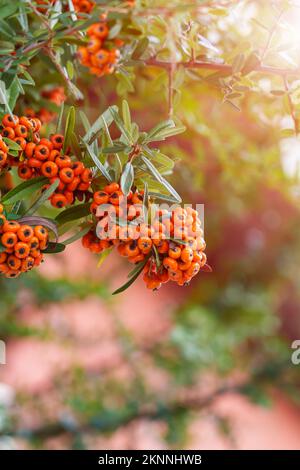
(99,56)
(172,246)
(22,246)
(57,96)
(44,157)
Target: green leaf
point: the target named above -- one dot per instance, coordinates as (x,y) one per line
(160,178)
(120,125)
(118,147)
(157,258)
(73,213)
(162,197)
(23,189)
(70,126)
(132,279)
(4,97)
(11,144)
(77,235)
(127,178)
(43,198)
(164,130)
(54,248)
(126,116)
(97,162)
(60,118)
(98,125)
(140,48)
(103,256)
(70,69)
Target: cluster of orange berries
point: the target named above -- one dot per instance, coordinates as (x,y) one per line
(97,56)
(44,157)
(55,95)
(172,246)
(22,246)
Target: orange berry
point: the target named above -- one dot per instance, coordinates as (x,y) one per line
(10,121)
(40,232)
(174,251)
(170,264)
(27,264)
(49,169)
(94,44)
(25,233)
(100,30)
(24,172)
(57,141)
(66,175)
(187,254)
(29,149)
(111,188)
(21,142)
(11,226)
(46,142)
(21,250)
(132,248)
(100,197)
(74,184)
(86,175)
(145,245)
(21,131)
(41,152)
(63,161)
(9,133)
(13,262)
(78,168)
(10,274)
(34,163)
(58,201)
(34,243)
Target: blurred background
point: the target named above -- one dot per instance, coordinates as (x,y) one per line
(202,367)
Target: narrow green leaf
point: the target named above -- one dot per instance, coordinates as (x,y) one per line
(77,235)
(54,248)
(132,279)
(60,118)
(120,125)
(98,124)
(43,198)
(103,256)
(127,178)
(4,98)
(27,187)
(126,116)
(97,162)
(12,144)
(73,213)
(140,48)
(70,126)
